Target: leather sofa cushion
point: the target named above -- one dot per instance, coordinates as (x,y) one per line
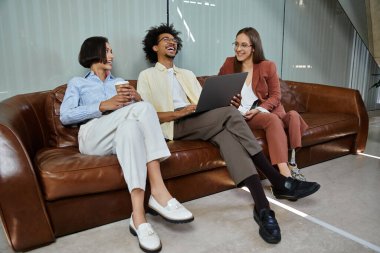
(64,172)
(189,157)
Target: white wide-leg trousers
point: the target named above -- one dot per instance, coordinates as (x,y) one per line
(133,133)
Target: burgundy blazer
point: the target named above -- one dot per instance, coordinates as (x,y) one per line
(265,84)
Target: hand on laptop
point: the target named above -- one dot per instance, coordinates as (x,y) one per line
(236,100)
(186,110)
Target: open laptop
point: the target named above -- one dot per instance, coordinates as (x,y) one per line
(218,91)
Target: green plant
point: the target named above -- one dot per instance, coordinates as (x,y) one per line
(377,84)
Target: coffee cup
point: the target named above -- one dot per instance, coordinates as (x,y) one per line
(120,84)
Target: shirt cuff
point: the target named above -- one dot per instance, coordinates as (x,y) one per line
(242,110)
(262,109)
(94,110)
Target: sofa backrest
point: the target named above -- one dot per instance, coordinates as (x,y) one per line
(58,134)
(66,136)
(293,98)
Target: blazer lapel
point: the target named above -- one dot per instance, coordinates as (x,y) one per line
(255,77)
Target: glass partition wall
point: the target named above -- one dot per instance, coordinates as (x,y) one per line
(40,39)
(317,43)
(209,28)
(310,41)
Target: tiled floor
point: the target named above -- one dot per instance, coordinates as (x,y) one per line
(343,216)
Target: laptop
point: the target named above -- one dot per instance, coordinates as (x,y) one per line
(218,91)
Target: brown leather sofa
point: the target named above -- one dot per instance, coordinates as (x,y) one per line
(48,189)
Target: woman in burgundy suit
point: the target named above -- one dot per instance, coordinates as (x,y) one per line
(261,101)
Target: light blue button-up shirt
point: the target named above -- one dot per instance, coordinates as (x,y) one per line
(83,96)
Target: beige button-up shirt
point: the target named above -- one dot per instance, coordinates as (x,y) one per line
(154,87)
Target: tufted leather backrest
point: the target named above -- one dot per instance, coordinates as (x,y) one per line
(66,136)
(292,98)
(59,135)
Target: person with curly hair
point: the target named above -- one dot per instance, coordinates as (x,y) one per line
(121,123)
(174,93)
(261,101)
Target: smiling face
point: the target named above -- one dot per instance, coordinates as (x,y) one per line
(243,48)
(102,69)
(166,47)
(106,66)
(109,57)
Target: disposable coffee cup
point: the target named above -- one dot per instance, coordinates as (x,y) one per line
(120,84)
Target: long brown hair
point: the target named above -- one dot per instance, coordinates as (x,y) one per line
(258,54)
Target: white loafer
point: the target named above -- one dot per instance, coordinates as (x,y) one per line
(174,212)
(148,238)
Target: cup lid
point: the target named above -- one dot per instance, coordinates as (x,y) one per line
(121,82)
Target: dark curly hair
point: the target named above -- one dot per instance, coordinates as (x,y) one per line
(93,50)
(151,39)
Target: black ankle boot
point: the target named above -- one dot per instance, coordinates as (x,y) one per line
(295,189)
(269,229)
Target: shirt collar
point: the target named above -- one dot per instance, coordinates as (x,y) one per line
(91,75)
(161,67)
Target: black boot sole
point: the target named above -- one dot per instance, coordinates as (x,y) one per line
(296,197)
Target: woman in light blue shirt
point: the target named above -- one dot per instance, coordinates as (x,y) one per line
(121,123)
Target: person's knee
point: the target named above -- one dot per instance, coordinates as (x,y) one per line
(143,105)
(139,108)
(271,122)
(146,106)
(129,129)
(293,114)
(274,120)
(231,111)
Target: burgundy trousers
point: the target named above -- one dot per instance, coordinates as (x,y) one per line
(278,130)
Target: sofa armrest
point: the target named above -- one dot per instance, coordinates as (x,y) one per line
(22,209)
(331,99)
(360,110)
(23,212)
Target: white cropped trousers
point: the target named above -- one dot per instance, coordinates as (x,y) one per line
(133,133)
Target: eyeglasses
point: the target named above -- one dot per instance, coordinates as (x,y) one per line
(242,45)
(167,40)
